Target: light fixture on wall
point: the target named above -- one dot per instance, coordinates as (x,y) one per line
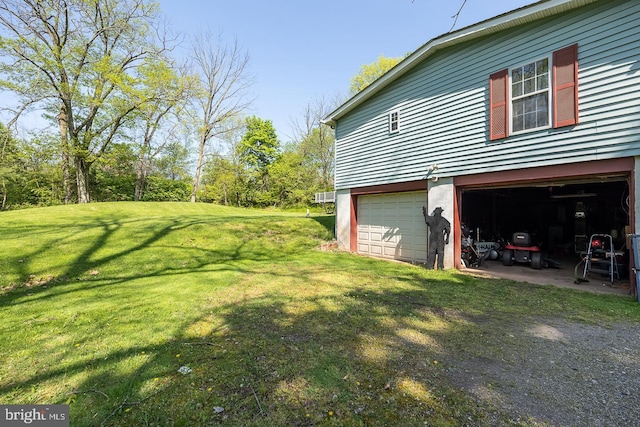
(431,170)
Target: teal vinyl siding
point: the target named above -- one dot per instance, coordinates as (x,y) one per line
(443,104)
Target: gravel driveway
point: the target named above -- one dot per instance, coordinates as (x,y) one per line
(556,373)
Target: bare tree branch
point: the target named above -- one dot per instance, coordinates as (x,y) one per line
(456,16)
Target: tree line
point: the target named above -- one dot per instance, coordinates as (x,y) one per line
(128,120)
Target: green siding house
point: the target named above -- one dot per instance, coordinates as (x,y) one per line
(529,121)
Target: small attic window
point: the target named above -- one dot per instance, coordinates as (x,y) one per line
(394,121)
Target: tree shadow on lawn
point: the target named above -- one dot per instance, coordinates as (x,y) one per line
(364,356)
(86,266)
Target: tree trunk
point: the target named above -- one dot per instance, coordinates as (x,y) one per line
(5,140)
(224,193)
(141,176)
(196,179)
(82,179)
(4,195)
(64,144)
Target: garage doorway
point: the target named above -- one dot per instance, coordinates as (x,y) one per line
(559,215)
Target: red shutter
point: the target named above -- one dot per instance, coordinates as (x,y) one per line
(565,86)
(498,105)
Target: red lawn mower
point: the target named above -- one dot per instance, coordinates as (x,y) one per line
(521,250)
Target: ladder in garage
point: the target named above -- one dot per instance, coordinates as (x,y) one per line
(609,257)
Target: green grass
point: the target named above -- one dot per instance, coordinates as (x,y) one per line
(103,303)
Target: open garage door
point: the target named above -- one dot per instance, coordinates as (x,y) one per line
(560,216)
(392,226)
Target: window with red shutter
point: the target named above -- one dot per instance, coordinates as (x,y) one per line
(535,95)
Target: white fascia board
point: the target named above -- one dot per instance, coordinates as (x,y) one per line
(523,15)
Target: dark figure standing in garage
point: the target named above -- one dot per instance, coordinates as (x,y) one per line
(439,236)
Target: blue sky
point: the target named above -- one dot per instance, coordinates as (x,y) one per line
(301,50)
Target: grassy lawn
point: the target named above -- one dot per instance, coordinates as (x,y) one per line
(103,304)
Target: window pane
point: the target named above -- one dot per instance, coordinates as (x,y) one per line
(517,122)
(542,66)
(530,120)
(518,107)
(516,75)
(542,101)
(543,82)
(542,118)
(516,89)
(529,86)
(517,125)
(529,70)
(530,104)
(542,106)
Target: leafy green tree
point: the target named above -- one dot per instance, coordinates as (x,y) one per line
(225,181)
(80,59)
(30,171)
(172,162)
(291,181)
(259,145)
(371,72)
(256,151)
(221,182)
(9,172)
(113,175)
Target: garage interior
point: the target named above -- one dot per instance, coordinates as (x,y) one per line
(561,217)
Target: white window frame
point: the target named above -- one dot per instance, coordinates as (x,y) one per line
(548,90)
(394,119)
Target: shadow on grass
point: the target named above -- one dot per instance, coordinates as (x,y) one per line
(376,353)
(310,352)
(252,241)
(361,356)
(328,222)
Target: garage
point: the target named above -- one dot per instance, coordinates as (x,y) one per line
(391,226)
(559,215)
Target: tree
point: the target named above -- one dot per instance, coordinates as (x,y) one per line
(259,145)
(257,150)
(221,96)
(80,59)
(291,182)
(168,90)
(316,142)
(8,163)
(223,178)
(113,174)
(29,171)
(172,162)
(220,182)
(371,72)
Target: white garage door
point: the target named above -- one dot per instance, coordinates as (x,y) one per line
(392,226)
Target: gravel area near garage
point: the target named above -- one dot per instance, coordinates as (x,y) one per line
(555,372)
